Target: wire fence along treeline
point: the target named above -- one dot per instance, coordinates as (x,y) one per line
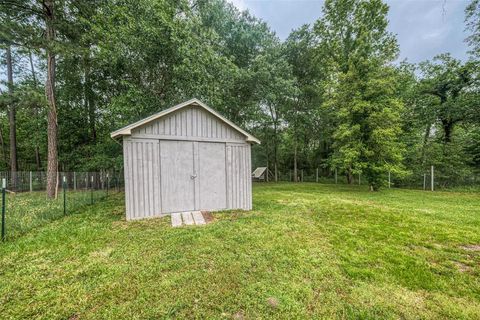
(23,181)
(26,204)
(431,178)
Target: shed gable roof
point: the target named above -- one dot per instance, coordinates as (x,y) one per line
(127,130)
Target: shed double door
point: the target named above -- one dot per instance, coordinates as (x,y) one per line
(192,176)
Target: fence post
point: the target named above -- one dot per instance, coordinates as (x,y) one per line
(290,175)
(335,175)
(31,183)
(432,178)
(424,181)
(317,175)
(4,186)
(359,179)
(74,181)
(64,195)
(389,179)
(302,174)
(91,190)
(107,184)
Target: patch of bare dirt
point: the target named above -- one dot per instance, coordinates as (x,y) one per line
(273,302)
(208,216)
(462,267)
(471,247)
(121,224)
(239,315)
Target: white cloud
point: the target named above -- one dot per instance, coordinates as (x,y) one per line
(432,35)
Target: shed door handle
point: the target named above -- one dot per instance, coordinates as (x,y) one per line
(193,176)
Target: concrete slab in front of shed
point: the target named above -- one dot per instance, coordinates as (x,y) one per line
(198,217)
(176,219)
(187,218)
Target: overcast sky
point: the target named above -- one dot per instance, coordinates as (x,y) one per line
(424,28)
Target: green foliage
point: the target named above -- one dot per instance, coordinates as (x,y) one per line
(473,24)
(450,84)
(356,45)
(330,96)
(368,117)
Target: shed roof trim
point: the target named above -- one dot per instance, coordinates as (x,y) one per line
(127,130)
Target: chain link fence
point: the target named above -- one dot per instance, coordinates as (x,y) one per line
(430,178)
(26,205)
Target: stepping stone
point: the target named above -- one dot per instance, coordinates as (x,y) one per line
(198,217)
(187,218)
(176,219)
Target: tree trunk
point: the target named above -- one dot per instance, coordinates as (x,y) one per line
(89,98)
(349,176)
(447,130)
(425,141)
(12,114)
(275,151)
(38,160)
(52,124)
(295,176)
(4,150)
(267,178)
(276,172)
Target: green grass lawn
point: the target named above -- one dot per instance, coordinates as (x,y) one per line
(307,250)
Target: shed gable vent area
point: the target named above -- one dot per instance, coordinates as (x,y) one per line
(185,158)
(190,122)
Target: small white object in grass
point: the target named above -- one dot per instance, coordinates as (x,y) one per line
(176,219)
(198,217)
(187,218)
(4,183)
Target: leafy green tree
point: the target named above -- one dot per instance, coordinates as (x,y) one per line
(308,122)
(368,113)
(449,82)
(355,44)
(274,88)
(473,25)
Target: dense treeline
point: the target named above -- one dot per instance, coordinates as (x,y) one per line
(331,96)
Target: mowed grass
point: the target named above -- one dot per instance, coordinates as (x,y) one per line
(306,251)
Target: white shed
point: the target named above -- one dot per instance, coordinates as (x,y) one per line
(185,158)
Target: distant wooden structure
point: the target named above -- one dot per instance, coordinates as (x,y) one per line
(185,158)
(259,174)
(262,174)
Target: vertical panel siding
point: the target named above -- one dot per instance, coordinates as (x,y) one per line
(127,174)
(238,169)
(249,180)
(190,122)
(142,178)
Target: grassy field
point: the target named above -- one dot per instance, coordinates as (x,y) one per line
(307,250)
(29,210)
